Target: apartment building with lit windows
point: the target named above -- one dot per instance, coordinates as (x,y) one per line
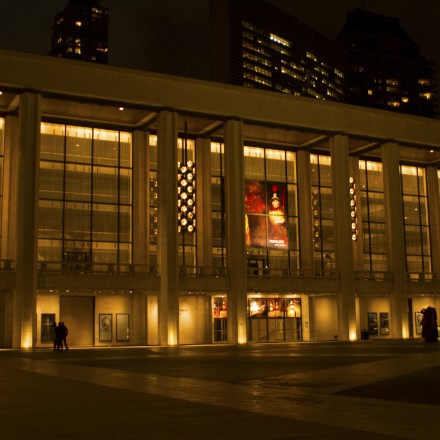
(146,209)
(386,69)
(80,32)
(257,45)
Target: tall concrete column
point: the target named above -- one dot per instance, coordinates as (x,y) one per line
(167,249)
(203,202)
(9,222)
(24,329)
(140,191)
(396,240)
(432,179)
(235,231)
(305,211)
(9,207)
(344,244)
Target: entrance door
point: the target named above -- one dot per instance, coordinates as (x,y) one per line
(220,318)
(77,313)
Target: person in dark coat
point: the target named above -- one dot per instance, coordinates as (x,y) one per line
(429,324)
(54,335)
(63,335)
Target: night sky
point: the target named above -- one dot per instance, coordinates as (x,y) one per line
(172,36)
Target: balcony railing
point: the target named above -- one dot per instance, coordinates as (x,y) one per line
(96,268)
(366,275)
(422,276)
(256,272)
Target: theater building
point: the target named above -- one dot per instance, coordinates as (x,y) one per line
(145,209)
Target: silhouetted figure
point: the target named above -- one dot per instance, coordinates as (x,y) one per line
(54,335)
(429,324)
(63,335)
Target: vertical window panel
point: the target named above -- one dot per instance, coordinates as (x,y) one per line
(125,187)
(52,142)
(105,184)
(105,223)
(50,214)
(416,221)
(78,182)
(254,163)
(78,145)
(125,150)
(125,224)
(77,221)
(373,216)
(106,147)
(275,165)
(51,180)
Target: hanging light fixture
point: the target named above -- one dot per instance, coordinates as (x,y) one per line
(353,210)
(316,220)
(186,191)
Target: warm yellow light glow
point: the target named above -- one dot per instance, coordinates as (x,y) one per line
(26,340)
(172,338)
(242,333)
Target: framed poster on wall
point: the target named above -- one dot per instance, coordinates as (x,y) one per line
(372,324)
(47,319)
(419,317)
(105,327)
(384,324)
(122,326)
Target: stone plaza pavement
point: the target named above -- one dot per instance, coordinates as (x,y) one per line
(360,390)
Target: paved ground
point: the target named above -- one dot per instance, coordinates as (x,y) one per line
(339,390)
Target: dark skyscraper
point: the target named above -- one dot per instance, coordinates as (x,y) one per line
(386,69)
(81,32)
(257,45)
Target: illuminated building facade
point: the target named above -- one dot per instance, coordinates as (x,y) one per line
(386,69)
(310,220)
(257,45)
(80,32)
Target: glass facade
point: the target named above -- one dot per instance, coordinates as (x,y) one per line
(85,197)
(322,212)
(218,204)
(270,61)
(373,216)
(274,319)
(416,222)
(271,209)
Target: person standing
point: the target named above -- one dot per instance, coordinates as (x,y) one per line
(63,335)
(54,335)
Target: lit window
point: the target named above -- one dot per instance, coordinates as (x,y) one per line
(427,95)
(370,92)
(393,82)
(279,40)
(78,23)
(424,82)
(405,99)
(393,103)
(311,56)
(339,73)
